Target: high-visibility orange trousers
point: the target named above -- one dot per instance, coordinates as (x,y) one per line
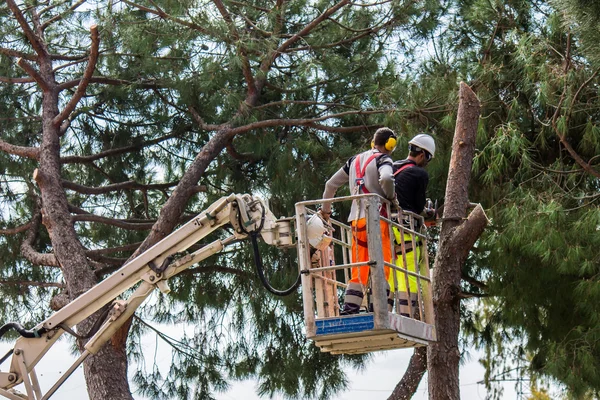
(360,249)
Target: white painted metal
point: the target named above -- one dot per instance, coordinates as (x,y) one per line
(244,212)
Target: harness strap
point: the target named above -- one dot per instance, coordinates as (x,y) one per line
(360,174)
(402,168)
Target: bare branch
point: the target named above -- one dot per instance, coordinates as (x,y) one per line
(120,223)
(201,122)
(117,249)
(110,81)
(21,151)
(61,16)
(21,62)
(85,80)
(16,80)
(35,41)
(122,186)
(18,54)
(17,229)
(474,281)
(470,295)
(305,122)
(117,151)
(27,246)
(159,12)
(32,283)
(307,29)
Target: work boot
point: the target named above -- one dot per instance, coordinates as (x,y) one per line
(352,299)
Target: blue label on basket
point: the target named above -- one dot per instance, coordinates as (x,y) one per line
(346,324)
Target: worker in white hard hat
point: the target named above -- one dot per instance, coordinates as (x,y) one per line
(367,172)
(410,181)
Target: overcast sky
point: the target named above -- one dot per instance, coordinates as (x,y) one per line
(376,382)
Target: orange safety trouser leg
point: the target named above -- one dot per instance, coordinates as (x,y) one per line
(360,250)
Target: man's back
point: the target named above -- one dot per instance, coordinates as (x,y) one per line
(375,169)
(411,185)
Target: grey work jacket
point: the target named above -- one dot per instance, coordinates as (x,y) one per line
(378,178)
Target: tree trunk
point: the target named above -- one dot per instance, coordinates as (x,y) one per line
(417,366)
(443,355)
(106,373)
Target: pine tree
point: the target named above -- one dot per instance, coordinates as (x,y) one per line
(174,104)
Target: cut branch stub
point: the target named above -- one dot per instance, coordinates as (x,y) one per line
(85,80)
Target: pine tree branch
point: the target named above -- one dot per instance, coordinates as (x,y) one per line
(116,249)
(60,16)
(266,64)
(6,79)
(407,387)
(201,122)
(304,122)
(474,281)
(29,252)
(111,81)
(116,151)
(32,283)
(17,54)
(17,229)
(159,12)
(246,69)
(122,186)
(562,137)
(469,295)
(35,41)
(85,80)
(119,223)
(21,151)
(107,261)
(21,62)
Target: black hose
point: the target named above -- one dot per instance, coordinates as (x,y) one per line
(21,330)
(261,274)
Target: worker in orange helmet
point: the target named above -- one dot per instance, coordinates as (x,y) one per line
(367,172)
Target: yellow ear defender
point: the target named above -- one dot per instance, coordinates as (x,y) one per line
(390,144)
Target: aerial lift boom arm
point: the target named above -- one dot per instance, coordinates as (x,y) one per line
(247,215)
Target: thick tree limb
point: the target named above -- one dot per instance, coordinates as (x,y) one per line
(21,62)
(465,235)
(33,38)
(29,252)
(443,355)
(407,387)
(85,80)
(21,151)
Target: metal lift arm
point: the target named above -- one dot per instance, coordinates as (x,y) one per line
(244,213)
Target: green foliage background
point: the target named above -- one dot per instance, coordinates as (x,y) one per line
(533,64)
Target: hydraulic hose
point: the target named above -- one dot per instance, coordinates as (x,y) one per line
(21,330)
(261,274)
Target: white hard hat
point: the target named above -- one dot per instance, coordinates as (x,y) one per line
(425,142)
(317,233)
